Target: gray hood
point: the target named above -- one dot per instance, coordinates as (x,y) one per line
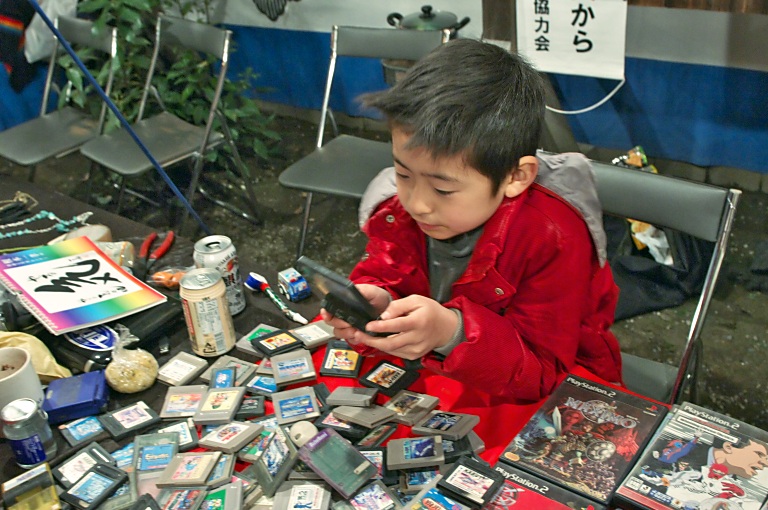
(568,174)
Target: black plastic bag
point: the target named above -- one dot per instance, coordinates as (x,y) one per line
(646,285)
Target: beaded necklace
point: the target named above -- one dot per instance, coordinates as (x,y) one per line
(60,225)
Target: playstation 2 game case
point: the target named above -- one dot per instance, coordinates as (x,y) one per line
(699,460)
(526,490)
(586,436)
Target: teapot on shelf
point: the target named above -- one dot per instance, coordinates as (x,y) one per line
(428,19)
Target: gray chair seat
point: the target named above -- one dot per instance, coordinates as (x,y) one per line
(62,131)
(651,378)
(321,172)
(168,138)
(59,132)
(345,165)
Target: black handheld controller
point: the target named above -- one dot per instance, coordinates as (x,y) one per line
(341,309)
(341,297)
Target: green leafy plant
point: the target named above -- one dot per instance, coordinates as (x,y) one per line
(185,86)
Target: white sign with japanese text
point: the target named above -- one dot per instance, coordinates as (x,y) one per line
(581,37)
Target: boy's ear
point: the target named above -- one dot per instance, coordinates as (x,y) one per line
(520,178)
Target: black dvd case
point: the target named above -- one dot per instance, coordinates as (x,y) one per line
(585,437)
(701,458)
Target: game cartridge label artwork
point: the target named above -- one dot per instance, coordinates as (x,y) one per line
(258,445)
(311,332)
(420,477)
(374,497)
(226,434)
(296,406)
(180,499)
(183,403)
(262,383)
(191,468)
(331,421)
(154,456)
(585,436)
(132,416)
(377,459)
(306,497)
(405,402)
(176,369)
(274,456)
(470,481)
(435,500)
(378,435)
(386,375)
(441,421)
(75,468)
(220,401)
(293,367)
(419,448)
(341,359)
(182,429)
(83,428)
(278,340)
(90,487)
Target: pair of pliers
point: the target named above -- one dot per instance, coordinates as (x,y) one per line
(147,259)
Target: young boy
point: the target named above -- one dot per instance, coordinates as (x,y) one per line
(481,273)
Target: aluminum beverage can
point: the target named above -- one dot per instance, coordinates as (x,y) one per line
(25,425)
(218,252)
(209,323)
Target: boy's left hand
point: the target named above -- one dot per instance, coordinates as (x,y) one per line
(420,324)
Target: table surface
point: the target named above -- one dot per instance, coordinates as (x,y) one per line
(499,421)
(259,309)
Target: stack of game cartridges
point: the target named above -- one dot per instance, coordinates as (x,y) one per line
(221,435)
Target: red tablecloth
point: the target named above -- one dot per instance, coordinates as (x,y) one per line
(499,422)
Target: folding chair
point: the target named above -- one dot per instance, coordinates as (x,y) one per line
(701,210)
(345,165)
(167,137)
(63,130)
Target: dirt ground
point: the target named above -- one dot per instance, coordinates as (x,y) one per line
(735,336)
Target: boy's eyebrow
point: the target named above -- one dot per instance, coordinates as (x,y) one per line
(439,176)
(400,162)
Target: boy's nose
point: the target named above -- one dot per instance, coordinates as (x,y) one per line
(418,203)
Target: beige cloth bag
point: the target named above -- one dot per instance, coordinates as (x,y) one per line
(42,359)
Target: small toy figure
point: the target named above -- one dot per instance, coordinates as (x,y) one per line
(293,285)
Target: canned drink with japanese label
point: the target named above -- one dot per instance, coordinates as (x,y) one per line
(25,425)
(219,253)
(209,323)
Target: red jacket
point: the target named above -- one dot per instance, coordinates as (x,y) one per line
(534,298)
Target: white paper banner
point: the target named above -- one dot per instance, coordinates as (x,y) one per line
(581,37)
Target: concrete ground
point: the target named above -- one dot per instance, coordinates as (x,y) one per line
(735,336)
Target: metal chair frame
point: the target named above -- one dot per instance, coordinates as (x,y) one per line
(345,165)
(167,137)
(64,130)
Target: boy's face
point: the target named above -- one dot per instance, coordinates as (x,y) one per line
(445,196)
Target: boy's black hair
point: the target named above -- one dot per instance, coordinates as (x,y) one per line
(469,97)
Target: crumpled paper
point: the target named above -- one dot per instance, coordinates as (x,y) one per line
(644,234)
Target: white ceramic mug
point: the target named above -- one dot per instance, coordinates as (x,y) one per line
(18,378)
